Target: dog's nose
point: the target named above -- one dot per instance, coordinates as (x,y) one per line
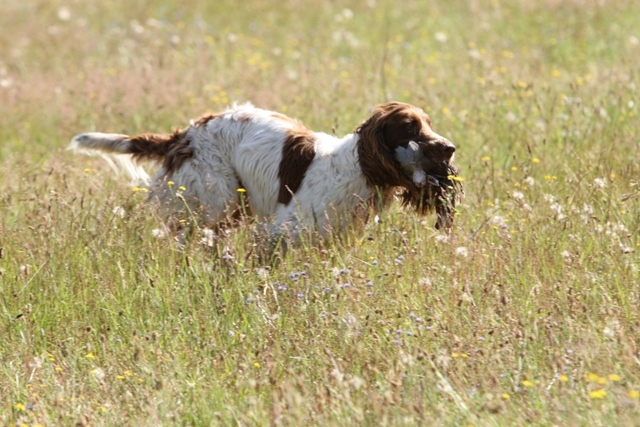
(447,149)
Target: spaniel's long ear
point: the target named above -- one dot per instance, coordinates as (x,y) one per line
(377,160)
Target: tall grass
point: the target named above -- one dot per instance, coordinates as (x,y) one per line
(526,314)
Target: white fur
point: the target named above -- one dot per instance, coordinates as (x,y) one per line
(92,143)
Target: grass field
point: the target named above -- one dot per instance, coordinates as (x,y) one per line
(528,314)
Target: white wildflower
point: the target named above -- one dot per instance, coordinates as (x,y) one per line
(511,117)
(64,14)
(475,54)
(557,209)
(499,221)
(441,37)
(159,233)
(600,183)
(98,373)
(119,211)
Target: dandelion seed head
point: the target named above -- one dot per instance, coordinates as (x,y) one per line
(462,251)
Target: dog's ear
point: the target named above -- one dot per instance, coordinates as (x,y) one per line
(377,158)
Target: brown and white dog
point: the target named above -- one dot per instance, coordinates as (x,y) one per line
(293,177)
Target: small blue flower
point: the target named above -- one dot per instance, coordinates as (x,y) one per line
(411,315)
(369,294)
(300,295)
(369,283)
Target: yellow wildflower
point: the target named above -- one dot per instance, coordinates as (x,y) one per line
(597,394)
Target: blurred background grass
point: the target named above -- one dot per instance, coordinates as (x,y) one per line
(527,314)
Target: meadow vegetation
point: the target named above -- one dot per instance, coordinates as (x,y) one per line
(527,314)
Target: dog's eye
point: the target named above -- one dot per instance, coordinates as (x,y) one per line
(412,128)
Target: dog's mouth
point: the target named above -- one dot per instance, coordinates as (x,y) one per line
(436,186)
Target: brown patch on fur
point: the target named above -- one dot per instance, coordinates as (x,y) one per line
(172,150)
(287,119)
(206,118)
(298,152)
(376,156)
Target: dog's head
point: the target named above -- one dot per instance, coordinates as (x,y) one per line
(398,148)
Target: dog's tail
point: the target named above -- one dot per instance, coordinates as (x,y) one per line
(125,152)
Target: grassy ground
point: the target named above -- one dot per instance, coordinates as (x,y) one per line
(526,315)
